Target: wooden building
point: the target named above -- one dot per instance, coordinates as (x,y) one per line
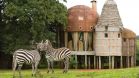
(99,41)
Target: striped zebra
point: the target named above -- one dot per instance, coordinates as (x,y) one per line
(60,54)
(22,56)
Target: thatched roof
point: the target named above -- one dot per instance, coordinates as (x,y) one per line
(126,33)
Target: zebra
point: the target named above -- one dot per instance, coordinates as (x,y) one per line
(22,56)
(52,54)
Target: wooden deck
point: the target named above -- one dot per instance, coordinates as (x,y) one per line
(82,53)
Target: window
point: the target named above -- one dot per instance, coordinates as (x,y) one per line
(91,27)
(119,35)
(124,39)
(80,28)
(106,35)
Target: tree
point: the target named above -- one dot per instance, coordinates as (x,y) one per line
(27,20)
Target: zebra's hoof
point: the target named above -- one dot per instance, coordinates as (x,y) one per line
(13,76)
(33,75)
(48,71)
(52,71)
(65,71)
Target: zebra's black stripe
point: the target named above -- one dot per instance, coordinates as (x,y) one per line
(26,56)
(22,56)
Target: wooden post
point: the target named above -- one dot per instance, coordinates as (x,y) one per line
(66,39)
(132,61)
(89,62)
(112,62)
(76,59)
(128,61)
(86,61)
(109,62)
(94,62)
(128,49)
(121,60)
(99,62)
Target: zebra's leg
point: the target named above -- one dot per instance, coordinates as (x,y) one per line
(65,66)
(66,63)
(14,68)
(52,66)
(33,67)
(19,69)
(36,67)
(48,62)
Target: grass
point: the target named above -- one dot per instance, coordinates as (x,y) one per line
(138,43)
(113,73)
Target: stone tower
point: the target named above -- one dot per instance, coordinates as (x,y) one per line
(108,40)
(108,29)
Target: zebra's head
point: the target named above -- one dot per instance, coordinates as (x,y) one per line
(47,44)
(40,46)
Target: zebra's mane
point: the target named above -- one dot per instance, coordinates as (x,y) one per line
(49,43)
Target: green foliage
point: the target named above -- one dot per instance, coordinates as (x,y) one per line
(27,20)
(114,73)
(138,37)
(137,53)
(73,62)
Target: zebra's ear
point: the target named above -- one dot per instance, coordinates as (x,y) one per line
(46,41)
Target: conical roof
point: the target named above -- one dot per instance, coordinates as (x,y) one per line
(110,2)
(127,33)
(110,15)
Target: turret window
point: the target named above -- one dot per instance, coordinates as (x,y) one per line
(124,39)
(106,35)
(119,35)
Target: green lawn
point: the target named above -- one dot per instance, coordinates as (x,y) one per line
(114,73)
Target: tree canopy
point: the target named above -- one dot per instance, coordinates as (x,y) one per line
(25,20)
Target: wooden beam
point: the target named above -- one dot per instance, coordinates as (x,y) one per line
(82,52)
(121,60)
(112,62)
(89,64)
(109,62)
(99,62)
(132,61)
(128,62)
(94,62)
(86,61)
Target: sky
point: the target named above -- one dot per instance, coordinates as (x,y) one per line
(128,10)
